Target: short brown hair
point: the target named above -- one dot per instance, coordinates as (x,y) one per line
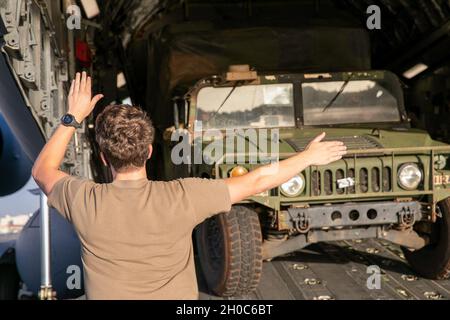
(123,134)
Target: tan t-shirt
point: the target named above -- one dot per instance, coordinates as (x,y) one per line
(136,234)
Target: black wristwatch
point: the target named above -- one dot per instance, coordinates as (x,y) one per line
(69,120)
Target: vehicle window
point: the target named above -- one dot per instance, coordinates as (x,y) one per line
(253,106)
(340,102)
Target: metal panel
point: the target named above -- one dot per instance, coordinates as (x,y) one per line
(39,67)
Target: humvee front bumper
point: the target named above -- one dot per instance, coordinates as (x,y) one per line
(388,220)
(402,214)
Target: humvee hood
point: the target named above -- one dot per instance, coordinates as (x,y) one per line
(295,140)
(355,139)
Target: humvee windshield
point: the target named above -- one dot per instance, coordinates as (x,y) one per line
(322,102)
(358,101)
(258,106)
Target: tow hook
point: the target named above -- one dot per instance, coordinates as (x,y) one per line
(406,218)
(302,222)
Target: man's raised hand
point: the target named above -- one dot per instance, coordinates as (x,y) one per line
(321,153)
(80,98)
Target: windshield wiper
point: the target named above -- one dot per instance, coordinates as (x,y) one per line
(223,102)
(344,85)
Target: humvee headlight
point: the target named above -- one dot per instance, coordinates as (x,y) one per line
(294,187)
(409,176)
(238,171)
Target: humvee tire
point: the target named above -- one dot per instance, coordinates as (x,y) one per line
(433,260)
(9,282)
(230,251)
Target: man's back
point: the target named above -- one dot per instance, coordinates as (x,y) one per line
(136,234)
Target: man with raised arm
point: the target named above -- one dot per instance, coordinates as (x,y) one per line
(136,233)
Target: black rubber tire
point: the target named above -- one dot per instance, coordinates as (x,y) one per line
(9,282)
(433,261)
(230,252)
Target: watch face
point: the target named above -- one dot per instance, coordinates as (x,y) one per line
(67,119)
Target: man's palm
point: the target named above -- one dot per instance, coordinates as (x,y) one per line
(80,98)
(324,152)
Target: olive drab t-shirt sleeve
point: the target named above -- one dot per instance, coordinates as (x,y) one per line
(207,196)
(63,195)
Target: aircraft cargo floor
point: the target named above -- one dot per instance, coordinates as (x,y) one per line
(338,270)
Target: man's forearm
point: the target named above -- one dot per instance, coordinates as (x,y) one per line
(46,168)
(51,157)
(275,174)
(266,177)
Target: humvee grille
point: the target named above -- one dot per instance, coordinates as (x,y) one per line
(352,142)
(378,181)
(369,179)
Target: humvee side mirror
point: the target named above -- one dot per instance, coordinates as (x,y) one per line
(180,108)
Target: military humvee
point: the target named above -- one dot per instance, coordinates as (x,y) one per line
(394,184)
